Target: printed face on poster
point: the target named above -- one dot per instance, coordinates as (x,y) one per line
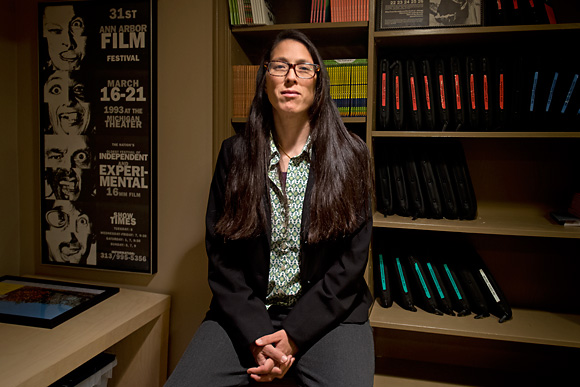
(97,67)
(393,14)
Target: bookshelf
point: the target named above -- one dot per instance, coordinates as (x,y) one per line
(518,176)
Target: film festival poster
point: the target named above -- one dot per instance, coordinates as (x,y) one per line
(97,78)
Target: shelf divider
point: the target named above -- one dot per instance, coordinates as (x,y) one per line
(526,326)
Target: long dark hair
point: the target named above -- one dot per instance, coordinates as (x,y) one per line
(343,186)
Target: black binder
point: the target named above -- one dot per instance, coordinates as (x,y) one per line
(447,192)
(414,191)
(492,293)
(467,203)
(435,279)
(422,293)
(488,96)
(459,115)
(477,300)
(516,15)
(383,282)
(442,95)
(413,96)
(498,12)
(384,97)
(427,96)
(403,294)
(536,94)
(384,183)
(398,104)
(459,300)
(569,108)
(518,100)
(549,12)
(473,93)
(429,183)
(500,90)
(401,205)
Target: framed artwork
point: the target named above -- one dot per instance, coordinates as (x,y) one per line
(46,303)
(98,134)
(392,14)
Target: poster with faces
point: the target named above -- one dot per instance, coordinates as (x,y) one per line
(98,133)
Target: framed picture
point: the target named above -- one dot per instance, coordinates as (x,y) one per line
(98,134)
(393,14)
(46,303)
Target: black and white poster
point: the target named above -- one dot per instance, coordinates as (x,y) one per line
(97,66)
(428,13)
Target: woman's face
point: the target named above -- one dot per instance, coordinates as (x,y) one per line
(290,94)
(65,35)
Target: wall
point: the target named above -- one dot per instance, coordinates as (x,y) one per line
(9,248)
(185,31)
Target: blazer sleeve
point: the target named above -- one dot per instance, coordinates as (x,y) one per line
(234,299)
(337,293)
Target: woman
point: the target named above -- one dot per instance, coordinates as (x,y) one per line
(288,230)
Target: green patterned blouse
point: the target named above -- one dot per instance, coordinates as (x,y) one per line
(286,200)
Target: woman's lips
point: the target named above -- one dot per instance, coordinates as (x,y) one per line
(290,93)
(68,56)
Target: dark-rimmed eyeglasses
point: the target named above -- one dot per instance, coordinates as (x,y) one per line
(57,218)
(279,68)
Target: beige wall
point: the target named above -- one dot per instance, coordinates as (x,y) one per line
(185,33)
(9,248)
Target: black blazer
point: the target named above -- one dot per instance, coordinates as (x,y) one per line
(332,273)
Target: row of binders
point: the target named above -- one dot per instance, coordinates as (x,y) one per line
(516,12)
(455,281)
(339,11)
(423,179)
(251,12)
(244,87)
(477,93)
(348,85)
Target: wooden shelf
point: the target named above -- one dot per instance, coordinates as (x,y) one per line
(493,218)
(540,34)
(385,133)
(309,27)
(333,40)
(527,326)
(132,324)
(346,120)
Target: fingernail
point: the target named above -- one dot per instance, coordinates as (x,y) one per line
(284,359)
(259,342)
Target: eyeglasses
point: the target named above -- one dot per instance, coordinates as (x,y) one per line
(302,70)
(59,219)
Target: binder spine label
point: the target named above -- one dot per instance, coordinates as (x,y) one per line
(472,90)
(384,94)
(457,91)
(403,282)
(534,86)
(427,96)
(485,93)
(551,95)
(430,267)
(422,280)
(382,267)
(413,94)
(569,96)
(457,292)
(397,93)
(491,289)
(442,91)
(501,92)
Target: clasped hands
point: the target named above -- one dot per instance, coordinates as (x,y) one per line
(274,355)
